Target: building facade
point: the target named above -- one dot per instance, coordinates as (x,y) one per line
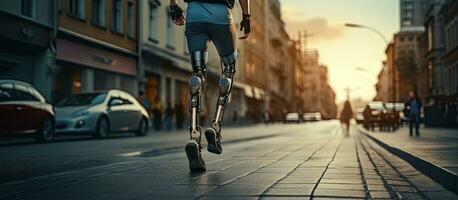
(27,50)
(412,13)
(319,96)
(449,14)
(277,62)
(96,46)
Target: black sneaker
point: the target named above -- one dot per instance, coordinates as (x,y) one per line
(214,142)
(196,163)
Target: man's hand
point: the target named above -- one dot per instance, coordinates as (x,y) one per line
(245,26)
(177,14)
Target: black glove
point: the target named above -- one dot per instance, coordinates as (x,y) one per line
(176,12)
(245,25)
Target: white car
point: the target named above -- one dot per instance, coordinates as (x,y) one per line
(292,117)
(312,117)
(101,113)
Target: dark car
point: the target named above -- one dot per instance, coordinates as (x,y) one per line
(24,111)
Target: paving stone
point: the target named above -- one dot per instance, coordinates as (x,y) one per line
(374,181)
(404,189)
(342,181)
(380,194)
(292,185)
(372,187)
(395,182)
(237,190)
(339,193)
(289,191)
(341,186)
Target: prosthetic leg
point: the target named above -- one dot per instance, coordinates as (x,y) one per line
(213,134)
(196,89)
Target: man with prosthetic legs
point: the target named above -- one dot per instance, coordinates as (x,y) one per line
(209,21)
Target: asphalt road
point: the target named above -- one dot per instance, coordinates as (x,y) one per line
(308,161)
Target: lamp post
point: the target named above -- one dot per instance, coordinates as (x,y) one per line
(352,25)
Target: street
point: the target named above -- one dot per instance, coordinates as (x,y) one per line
(305,161)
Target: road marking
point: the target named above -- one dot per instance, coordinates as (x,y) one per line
(135,153)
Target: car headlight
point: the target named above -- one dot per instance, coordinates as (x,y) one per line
(82,113)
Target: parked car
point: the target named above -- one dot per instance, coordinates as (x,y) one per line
(312,117)
(292,118)
(359,115)
(24,111)
(101,113)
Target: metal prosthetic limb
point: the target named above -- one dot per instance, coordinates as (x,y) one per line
(225,87)
(196,89)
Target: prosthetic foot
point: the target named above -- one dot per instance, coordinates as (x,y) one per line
(213,134)
(196,87)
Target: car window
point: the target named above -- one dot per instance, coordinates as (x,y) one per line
(7,92)
(84,99)
(23,93)
(116,100)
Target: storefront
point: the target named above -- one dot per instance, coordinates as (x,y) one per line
(84,68)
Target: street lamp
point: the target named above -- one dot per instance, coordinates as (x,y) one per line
(352,25)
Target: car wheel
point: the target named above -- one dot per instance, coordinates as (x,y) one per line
(46,133)
(142,128)
(102,128)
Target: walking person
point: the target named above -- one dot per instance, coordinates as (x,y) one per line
(346,115)
(179,115)
(169,114)
(367,114)
(157,114)
(209,21)
(413,109)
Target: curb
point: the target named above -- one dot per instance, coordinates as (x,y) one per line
(439,174)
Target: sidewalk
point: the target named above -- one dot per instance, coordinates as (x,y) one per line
(434,152)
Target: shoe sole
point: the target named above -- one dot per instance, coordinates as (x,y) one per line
(192,151)
(212,147)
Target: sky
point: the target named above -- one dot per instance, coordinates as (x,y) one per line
(354,56)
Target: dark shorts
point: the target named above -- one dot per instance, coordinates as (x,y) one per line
(199,35)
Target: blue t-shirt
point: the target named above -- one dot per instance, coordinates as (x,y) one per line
(414,107)
(208,13)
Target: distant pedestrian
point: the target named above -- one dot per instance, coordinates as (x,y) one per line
(179,115)
(144,101)
(413,109)
(266,117)
(169,114)
(346,115)
(157,114)
(367,114)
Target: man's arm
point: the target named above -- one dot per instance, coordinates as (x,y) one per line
(245,24)
(244,4)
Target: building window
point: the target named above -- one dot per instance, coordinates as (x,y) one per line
(152,23)
(170,32)
(28,8)
(430,37)
(117,16)
(131,19)
(76,8)
(98,12)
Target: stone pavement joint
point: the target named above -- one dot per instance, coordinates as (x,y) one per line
(406,186)
(325,170)
(433,153)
